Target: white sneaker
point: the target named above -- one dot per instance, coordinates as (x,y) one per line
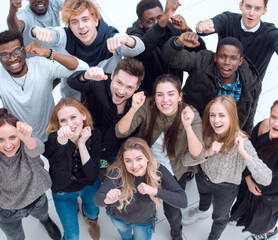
(193,214)
(257,237)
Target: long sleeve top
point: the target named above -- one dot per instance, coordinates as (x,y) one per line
(60,159)
(23,178)
(142,118)
(229,168)
(142,208)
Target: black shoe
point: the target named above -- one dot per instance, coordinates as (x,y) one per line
(52,230)
(176,234)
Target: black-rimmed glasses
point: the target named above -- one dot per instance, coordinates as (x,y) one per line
(16,53)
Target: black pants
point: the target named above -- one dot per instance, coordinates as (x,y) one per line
(173,214)
(222,196)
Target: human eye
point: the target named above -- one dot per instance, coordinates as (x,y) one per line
(73,117)
(86,19)
(258,9)
(1,139)
(5,56)
(212,115)
(222,115)
(149,21)
(127,160)
(119,82)
(73,22)
(62,120)
(13,137)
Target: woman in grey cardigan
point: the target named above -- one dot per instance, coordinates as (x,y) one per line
(23,179)
(228,152)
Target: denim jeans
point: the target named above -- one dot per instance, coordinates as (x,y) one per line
(66,207)
(141,231)
(222,196)
(11,220)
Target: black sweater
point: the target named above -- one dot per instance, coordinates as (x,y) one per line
(142,208)
(60,159)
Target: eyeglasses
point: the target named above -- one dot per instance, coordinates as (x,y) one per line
(16,53)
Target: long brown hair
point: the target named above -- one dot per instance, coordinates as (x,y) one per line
(209,135)
(172,132)
(53,124)
(127,179)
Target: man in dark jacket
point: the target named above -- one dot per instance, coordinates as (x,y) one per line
(154,29)
(211,74)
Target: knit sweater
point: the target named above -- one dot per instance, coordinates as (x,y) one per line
(228,168)
(22,177)
(142,208)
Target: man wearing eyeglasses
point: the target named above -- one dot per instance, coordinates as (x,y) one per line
(44,13)
(26,84)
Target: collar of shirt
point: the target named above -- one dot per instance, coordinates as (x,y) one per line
(228,86)
(254,29)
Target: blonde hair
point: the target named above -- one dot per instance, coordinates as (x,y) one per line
(209,135)
(53,124)
(127,179)
(73,8)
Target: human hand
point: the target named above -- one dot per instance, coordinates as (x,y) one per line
(37,50)
(206,26)
(144,188)
(187,116)
(112,196)
(96,74)
(214,148)
(115,42)
(64,134)
(15,4)
(253,188)
(23,131)
(179,22)
(240,145)
(84,135)
(42,34)
(188,39)
(171,7)
(138,100)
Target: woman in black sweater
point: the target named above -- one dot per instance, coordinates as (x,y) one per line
(73,150)
(132,189)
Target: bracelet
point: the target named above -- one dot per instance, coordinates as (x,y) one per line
(51,52)
(53,55)
(176,43)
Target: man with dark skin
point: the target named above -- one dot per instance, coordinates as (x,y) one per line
(154,27)
(225,72)
(42,13)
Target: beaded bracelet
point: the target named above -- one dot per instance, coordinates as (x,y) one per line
(53,55)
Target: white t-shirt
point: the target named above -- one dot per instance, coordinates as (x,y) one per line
(160,155)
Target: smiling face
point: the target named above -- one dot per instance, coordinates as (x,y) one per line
(167,98)
(219,119)
(150,17)
(227,61)
(39,7)
(16,66)
(273,123)
(9,141)
(135,162)
(252,10)
(122,87)
(84,27)
(70,116)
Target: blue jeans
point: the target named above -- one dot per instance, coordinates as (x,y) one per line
(66,207)
(141,231)
(11,220)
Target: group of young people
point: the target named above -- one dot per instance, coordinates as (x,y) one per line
(125,134)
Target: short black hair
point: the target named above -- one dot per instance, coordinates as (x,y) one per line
(11,35)
(230,41)
(144,5)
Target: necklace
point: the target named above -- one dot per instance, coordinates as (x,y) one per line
(22,86)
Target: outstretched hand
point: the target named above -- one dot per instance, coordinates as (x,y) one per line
(206,26)
(138,100)
(188,39)
(112,196)
(42,34)
(96,74)
(37,50)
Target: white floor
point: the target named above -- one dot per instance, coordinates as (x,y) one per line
(121,14)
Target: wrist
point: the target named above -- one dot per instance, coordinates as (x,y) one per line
(178,42)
